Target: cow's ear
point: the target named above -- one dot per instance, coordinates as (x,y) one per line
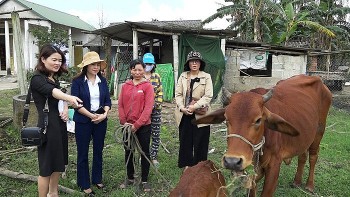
(277,123)
(214,117)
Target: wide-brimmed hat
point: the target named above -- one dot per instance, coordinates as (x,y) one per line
(194,55)
(92,57)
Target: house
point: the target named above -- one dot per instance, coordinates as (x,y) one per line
(32,15)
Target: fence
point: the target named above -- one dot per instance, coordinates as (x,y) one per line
(333,68)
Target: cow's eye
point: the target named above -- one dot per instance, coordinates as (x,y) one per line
(258,122)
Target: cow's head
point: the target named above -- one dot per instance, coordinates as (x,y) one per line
(246,119)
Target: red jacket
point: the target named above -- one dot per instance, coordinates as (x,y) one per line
(135,103)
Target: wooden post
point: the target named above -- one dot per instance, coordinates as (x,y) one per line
(176,56)
(135,45)
(18,45)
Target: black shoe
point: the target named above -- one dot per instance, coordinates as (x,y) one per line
(92,193)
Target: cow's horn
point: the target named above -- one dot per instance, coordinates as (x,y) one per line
(267,96)
(226,96)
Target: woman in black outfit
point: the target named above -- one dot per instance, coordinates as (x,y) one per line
(53,155)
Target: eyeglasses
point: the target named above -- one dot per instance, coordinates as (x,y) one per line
(194,61)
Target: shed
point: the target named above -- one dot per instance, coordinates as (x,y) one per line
(170,41)
(251,65)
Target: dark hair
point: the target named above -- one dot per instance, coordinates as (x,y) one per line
(84,71)
(134,62)
(45,52)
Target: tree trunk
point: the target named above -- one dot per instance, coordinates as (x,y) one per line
(107,45)
(18,44)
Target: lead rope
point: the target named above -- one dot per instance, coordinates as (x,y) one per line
(130,142)
(255,148)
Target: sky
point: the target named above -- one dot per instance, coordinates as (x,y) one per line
(91,11)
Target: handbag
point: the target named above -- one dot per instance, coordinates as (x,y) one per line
(33,136)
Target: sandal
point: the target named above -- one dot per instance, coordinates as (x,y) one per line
(155,163)
(146,187)
(100,186)
(126,183)
(92,193)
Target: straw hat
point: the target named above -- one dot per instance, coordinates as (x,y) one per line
(92,57)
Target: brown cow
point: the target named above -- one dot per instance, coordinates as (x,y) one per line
(203,180)
(289,123)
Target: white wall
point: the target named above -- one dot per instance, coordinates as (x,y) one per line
(283,66)
(9,6)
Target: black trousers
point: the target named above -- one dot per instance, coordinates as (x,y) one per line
(194,142)
(144,136)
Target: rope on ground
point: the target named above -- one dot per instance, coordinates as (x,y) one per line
(131,143)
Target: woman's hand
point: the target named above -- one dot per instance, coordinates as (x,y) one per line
(64,115)
(186,111)
(75,102)
(190,109)
(133,129)
(93,117)
(99,118)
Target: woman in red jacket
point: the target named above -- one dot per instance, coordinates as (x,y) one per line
(135,106)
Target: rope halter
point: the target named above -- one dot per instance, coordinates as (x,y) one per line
(254,147)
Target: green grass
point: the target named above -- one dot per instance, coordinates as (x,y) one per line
(331,179)
(6,102)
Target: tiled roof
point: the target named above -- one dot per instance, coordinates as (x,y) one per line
(57,16)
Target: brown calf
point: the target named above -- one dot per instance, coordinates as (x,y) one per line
(203,180)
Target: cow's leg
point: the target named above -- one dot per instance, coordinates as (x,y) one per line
(300,170)
(271,177)
(313,156)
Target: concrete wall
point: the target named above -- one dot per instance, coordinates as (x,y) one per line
(283,67)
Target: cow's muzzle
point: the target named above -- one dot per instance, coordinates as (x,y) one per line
(233,163)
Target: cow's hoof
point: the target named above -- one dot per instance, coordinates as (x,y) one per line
(309,189)
(295,185)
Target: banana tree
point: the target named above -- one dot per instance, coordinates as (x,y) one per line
(292,23)
(248,17)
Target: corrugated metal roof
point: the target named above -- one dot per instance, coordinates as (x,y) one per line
(274,49)
(97,41)
(123,31)
(186,24)
(57,16)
